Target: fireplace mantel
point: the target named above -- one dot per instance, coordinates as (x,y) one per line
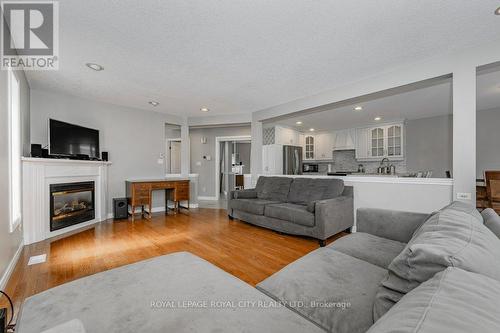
(39,174)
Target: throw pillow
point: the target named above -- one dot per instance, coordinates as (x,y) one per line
(491,221)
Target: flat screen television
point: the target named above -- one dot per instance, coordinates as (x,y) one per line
(71,140)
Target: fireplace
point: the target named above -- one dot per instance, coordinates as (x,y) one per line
(71,203)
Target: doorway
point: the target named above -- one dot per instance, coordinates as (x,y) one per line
(174,156)
(232,156)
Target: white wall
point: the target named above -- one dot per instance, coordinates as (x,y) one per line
(134,138)
(10,242)
(488,141)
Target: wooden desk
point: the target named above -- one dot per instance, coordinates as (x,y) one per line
(140,193)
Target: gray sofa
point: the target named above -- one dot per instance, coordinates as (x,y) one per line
(401,272)
(317,208)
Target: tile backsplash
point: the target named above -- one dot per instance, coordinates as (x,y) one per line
(345,160)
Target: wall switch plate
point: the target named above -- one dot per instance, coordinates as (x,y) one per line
(464,196)
(198,163)
(160,161)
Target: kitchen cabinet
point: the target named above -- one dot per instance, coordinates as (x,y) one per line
(286,136)
(375,143)
(272,159)
(323,146)
(309,147)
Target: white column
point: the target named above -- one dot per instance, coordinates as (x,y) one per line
(185,149)
(256,153)
(464,133)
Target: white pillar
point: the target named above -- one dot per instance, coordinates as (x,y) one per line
(464,133)
(256,153)
(185,149)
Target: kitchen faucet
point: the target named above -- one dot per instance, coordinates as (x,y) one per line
(386,168)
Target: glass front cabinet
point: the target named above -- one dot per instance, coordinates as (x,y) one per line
(309,147)
(375,143)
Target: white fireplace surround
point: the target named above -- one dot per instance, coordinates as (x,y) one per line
(39,174)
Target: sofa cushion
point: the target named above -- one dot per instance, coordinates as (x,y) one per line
(465,208)
(453,300)
(491,221)
(373,249)
(332,289)
(245,194)
(273,188)
(451,237)
(290,212)
(305,190)
(253,206)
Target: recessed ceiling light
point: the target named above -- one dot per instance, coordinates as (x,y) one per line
(377,118)
(205,109)
(358,108)
(95,67)
(311,129)
(154,103)
(299,123)
(497,11)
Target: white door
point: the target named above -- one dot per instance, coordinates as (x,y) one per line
(175,157)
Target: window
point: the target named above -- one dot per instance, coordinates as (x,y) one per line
(14,150)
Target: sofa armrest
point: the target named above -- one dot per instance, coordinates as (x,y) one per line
(390,224)
(334,215)
(244,194)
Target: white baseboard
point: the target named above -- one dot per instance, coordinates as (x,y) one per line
(10,268)
(207,198)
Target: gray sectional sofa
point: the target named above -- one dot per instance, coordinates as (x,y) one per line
(317,208)
(401,272)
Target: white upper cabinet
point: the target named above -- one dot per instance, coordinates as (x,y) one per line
(309,145)
(286,136)
(323,147)
(375,143)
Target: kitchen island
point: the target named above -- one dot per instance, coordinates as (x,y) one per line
(421,195)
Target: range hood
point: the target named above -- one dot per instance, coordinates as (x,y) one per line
(344,139)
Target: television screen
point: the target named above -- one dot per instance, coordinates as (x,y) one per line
(69,140)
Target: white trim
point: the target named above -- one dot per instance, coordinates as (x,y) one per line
(218,140)
(14,224)
(10,267)
(207,198)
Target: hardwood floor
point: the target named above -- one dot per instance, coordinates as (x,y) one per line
(251,253)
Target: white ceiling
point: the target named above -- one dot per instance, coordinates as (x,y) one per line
(430,101)
(242,56)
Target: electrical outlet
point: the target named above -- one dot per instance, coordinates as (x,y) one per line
(464,196)
(204,189)
(198,163)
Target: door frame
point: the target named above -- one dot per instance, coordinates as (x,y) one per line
(218,140)
(167,153)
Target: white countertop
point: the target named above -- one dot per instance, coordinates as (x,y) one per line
(388,179)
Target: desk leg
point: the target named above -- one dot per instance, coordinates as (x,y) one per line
(133,212)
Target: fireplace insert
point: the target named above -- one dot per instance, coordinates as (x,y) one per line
(71,203)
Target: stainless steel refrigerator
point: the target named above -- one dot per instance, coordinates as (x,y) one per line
(292,160)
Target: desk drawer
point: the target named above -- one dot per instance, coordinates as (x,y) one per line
(181,195)
(162,185)
(141,187)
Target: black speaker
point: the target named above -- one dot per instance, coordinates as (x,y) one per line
(45,153)
(36,150)
(104,156)
(120,208)
(3,320)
